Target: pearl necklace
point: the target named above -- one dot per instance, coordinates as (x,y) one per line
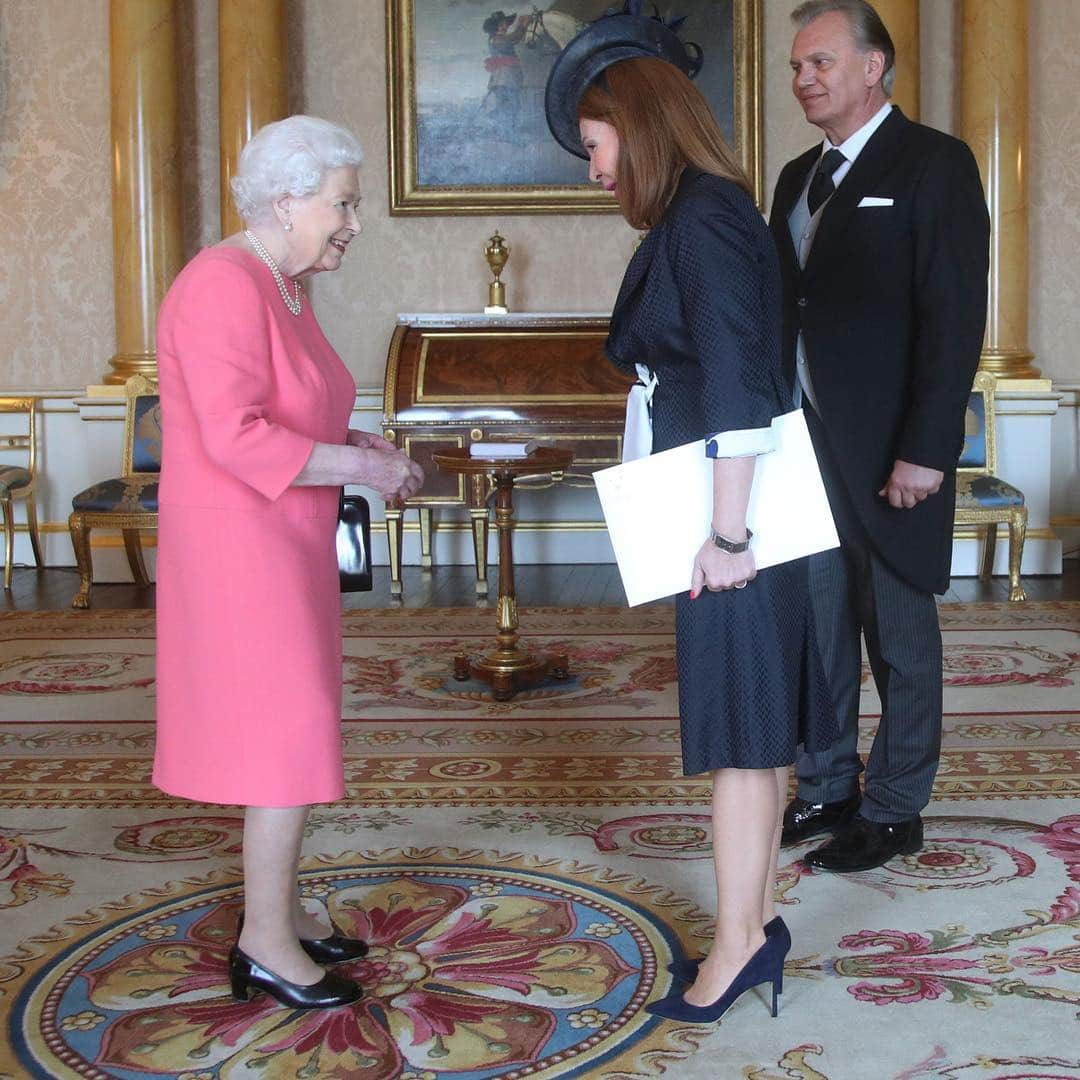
(293,303)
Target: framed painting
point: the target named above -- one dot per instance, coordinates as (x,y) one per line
(465,86)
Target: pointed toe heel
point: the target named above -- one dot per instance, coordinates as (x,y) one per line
(687,970)
(248,976)
(765,966)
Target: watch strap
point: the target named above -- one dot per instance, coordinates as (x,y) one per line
(732,547)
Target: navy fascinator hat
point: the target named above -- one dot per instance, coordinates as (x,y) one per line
(624,35)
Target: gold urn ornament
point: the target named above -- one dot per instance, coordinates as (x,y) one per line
(497,252)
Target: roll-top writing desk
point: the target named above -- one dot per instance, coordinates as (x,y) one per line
(452,380)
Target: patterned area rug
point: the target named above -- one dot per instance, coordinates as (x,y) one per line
(525,871)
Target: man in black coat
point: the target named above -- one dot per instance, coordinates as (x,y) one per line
(883,236)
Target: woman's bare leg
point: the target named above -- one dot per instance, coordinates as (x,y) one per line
(272,838)
(768,907)
(744,813)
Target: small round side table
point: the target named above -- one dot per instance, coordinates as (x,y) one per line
(507,668)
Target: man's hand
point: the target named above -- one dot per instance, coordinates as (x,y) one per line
(911,484)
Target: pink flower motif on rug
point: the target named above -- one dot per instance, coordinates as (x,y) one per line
(1010,664)
(917,967)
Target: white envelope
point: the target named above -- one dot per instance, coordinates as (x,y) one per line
(658,510)
(873,200)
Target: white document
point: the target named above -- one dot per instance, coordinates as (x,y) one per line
(659,510)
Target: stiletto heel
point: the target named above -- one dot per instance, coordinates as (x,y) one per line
(248,976)
(765,966)
(687,970)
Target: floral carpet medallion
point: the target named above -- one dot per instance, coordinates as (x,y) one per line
(481,965)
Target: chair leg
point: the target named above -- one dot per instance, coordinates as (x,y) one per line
(80,542)
(32,526)
(989,545)
(393,540)
(1017,532)
(133,547)
(425,537)
(9,538)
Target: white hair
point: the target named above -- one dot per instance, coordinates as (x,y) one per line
(289,157)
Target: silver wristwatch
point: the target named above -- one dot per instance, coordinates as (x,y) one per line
(730,546)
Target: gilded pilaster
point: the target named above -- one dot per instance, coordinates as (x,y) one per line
(994,123)
(901,18)
(253,67)
(147,236)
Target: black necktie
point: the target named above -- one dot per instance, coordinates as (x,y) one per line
(821,184)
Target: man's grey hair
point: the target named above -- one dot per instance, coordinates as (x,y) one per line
(289,157)
(866,27)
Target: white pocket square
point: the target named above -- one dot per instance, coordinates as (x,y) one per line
(873,200)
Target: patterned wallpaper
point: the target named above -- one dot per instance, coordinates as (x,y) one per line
(55,214)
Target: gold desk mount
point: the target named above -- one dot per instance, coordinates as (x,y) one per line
(497,252)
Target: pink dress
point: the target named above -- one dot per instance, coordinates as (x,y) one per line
(248,608)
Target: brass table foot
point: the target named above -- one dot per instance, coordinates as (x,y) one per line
(508,671)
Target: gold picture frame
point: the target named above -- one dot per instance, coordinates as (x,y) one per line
(438,132)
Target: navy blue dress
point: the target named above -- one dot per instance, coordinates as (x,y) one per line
(701,306)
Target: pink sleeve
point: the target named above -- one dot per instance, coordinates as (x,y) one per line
(221,338)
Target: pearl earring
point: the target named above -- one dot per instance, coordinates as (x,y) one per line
(288,226)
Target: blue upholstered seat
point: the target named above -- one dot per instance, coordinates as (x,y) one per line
(980,492)
(123,495)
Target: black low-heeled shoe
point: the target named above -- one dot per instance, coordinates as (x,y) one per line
(775,928)
(334,949)
(247,976)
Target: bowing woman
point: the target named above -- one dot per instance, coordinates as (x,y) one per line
(699,306)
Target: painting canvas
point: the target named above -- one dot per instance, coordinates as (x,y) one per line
(467,81)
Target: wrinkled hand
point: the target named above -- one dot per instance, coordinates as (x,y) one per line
(717,570)
(909,485)
(365,440)
(389,472)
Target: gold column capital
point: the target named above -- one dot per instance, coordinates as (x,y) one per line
(145,133)
(253,66)
(994,123)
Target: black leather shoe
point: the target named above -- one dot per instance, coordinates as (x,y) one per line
(334,949)
(804,819)
(247,976)
(862,845)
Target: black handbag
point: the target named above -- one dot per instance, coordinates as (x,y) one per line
(354,544)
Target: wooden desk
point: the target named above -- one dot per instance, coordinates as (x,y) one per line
(507,668)
(454,380)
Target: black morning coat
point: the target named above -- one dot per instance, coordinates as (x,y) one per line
(892,306)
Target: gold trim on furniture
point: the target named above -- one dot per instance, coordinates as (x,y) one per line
(130,523)
(20,442)
(986,519)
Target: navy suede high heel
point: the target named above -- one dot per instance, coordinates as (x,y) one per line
(775,928)
(765,966)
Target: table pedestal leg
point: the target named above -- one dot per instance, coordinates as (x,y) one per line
(508,668)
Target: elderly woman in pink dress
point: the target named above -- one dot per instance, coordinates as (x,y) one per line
(255,412)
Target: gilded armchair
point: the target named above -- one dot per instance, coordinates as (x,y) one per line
(128,502)
(982,498)
(18,479)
